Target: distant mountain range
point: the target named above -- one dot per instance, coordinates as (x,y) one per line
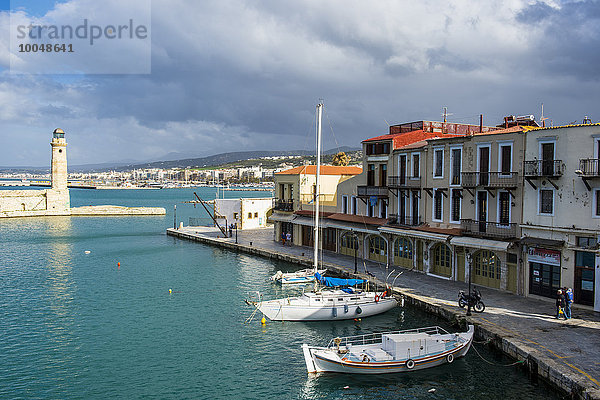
(210,161)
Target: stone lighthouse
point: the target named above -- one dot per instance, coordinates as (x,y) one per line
(58,196)
(59,159)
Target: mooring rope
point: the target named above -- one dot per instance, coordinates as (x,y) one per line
(491,363)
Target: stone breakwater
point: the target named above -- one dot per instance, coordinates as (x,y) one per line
(96,211)
(509,337)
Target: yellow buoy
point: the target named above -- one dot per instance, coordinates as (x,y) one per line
(170,291)
(263,321)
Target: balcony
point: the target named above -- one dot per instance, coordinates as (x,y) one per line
(399,220)
(589,167)
(543,169)
(490,179)
(493,230)
(369,191)
(283,205)
(404,182)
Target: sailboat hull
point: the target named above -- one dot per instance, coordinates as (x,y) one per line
(295,310)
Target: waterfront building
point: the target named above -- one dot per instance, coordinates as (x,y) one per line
(561,212)
(293,204)
(53,201)
(245,213)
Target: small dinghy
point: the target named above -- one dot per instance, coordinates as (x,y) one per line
(382,353)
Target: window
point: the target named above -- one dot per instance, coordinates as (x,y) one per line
(486,265)
(378,148)
(349,241)
(546,201)
(371,175)
(455,156)
(353,205)
(416,166)
(456,200)
(249,215)
(438,162)
(597,208)
(235,216)
(438,203)
(370,210)
(584,241)
(505,159)
(383,175)
(255,215)
(382,209)
(504,208)
(345,204)
(403,248)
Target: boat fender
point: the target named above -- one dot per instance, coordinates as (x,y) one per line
(358,310)
(334,311)
(345,308)
(450,358)
(410,364)
(384,294)
(344,358)
(365,358)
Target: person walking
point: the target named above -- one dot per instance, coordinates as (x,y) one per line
(283,238)
(288,238)
(568,301)
(560,304)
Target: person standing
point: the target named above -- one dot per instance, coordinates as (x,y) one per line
(283,238)
(560,304)
(568,302)
(288,238)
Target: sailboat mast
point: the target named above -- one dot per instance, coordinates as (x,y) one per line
(317,183)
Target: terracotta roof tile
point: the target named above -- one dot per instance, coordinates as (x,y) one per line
(403,139)
(325,170)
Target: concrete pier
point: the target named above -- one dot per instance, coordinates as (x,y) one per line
(562,353)
(97,211)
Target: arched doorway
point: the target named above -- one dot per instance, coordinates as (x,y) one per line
(486,269)
(403,252)
(441,260)
(377,248)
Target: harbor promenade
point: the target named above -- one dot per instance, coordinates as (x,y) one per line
(563,353)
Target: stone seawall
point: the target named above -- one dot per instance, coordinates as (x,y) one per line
(572,382)
(116,210)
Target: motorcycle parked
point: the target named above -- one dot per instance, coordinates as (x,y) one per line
(474,300)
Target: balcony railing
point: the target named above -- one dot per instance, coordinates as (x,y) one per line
(542,168)
(589,167)
(490,179)
(368,191)
(488,229)
(404,181)
(396,219)
(283,205)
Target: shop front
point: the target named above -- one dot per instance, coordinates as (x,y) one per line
(544,271)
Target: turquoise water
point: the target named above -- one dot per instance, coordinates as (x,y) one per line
(78,326)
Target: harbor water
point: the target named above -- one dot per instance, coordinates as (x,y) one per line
(168,322)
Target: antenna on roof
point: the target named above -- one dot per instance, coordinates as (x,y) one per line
(445,114)
(388,124)
(542,118)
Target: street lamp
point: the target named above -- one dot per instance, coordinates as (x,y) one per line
(469,258)
(355,251)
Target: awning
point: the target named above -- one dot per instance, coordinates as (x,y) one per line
(306,221)
(414,233)
(477,243)
(281,217)
(534,241)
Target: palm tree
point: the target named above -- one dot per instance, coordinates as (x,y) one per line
(341,159)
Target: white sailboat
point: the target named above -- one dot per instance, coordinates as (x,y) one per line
(389,352)
(325,304)
(298,277)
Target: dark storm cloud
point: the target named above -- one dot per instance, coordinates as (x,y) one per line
(571,38)
(229,76)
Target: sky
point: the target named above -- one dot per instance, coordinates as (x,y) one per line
(227,75)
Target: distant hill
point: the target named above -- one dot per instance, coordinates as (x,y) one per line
(226,158)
